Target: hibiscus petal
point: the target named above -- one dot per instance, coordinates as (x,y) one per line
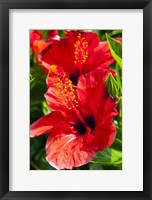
(39,46)
(91,91)
(103,56)
(59,54)
(35,35)
(52,33)
(57,104)
(65,151)
(105,131)
(36,42)
(52,122)
(110,108)
(105,135)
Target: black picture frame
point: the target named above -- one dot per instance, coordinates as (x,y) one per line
(5,5)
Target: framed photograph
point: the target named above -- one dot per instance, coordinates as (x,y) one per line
(75,99)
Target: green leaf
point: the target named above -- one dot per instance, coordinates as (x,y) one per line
(37,75)
(41,161)
(118,118)
(116,33)
(116,49)
(95,166)
(38,92)
(31,78)
(119,130)
(38,154)
(44,33)
(108,157)
(120,108)
(119,75)
(46,110)
(117,145)
(112,86)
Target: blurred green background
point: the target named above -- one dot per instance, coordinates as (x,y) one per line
(109,159)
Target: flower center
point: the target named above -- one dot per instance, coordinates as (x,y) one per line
(81,129)
(74,77)
(65,92)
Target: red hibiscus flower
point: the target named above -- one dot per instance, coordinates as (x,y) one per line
(81,121)
(79,53)
(34,35)
(38,44)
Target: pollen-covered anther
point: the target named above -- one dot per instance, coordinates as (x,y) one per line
(65,91)
(53,69)
(80,50)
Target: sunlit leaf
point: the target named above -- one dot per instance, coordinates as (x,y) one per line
(109,156)
(112,86)
(116,49)
(31,78)
(46,110)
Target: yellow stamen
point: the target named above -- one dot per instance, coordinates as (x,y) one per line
(80,50)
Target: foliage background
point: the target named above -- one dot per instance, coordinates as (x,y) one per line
(110,158)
